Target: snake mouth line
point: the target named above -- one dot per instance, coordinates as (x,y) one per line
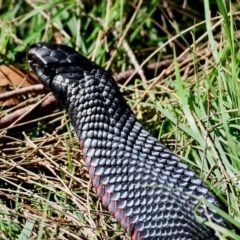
(39,70)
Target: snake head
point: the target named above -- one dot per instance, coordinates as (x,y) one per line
(50,60)
(59,67)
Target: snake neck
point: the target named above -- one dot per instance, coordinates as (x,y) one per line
(99,112)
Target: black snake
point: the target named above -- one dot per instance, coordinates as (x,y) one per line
(145,186)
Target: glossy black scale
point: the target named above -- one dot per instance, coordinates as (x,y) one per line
(142,183)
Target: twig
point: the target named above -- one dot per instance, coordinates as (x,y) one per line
(38,88)
(48,105)
(132,57)
(148,70)
(124,34)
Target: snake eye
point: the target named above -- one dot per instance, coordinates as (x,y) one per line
(47,70)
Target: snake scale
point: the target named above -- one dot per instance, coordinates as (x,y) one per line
(144,185)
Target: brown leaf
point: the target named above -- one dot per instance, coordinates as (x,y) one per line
(10,76)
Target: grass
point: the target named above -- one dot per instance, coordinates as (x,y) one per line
(192,105)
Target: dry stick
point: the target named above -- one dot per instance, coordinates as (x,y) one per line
(48,103)
(38,88)
(124,34)
(121,77)
(10,118)
(133,58)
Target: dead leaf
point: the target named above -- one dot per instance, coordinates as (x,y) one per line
(11,76)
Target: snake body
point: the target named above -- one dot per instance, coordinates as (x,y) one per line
(145,186)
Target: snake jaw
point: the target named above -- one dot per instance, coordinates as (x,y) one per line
(37,56)
(49,60)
